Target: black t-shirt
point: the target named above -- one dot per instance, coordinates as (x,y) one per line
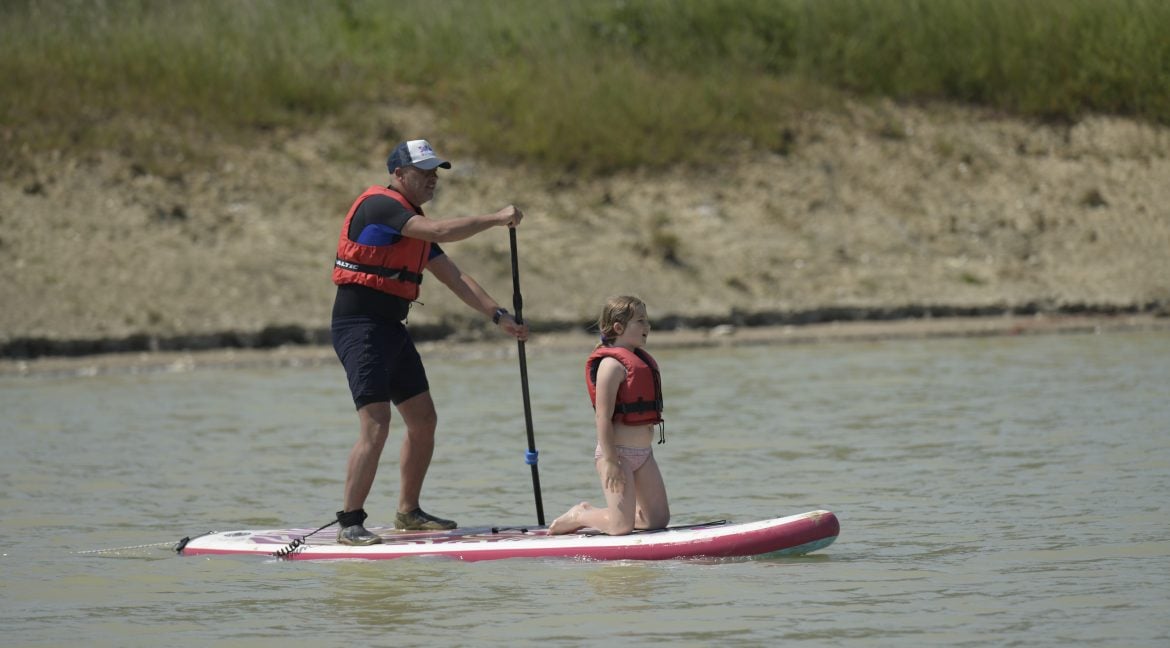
(378,221)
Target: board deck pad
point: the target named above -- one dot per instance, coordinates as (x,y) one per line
(792,535)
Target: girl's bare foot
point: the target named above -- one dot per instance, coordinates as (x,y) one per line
(570,521)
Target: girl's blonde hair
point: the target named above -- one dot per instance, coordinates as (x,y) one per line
(620,309)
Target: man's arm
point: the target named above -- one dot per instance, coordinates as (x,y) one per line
(456,229)
(471,293)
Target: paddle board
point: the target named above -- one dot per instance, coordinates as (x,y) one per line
(792,535)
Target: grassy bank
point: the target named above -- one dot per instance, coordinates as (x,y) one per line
(582,85)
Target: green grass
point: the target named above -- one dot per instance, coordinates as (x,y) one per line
(589,86)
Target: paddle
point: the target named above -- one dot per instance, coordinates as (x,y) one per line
(518,304)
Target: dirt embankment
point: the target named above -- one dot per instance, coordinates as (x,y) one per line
(874,212)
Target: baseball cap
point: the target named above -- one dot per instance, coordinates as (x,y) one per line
(415,153)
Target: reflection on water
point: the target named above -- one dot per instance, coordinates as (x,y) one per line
(990,491)
(624,579)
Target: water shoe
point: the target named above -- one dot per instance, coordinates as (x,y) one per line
(419,520)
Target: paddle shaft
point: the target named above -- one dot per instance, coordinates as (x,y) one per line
(518,305)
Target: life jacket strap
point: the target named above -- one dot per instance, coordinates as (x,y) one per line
(400,274)
(640,406)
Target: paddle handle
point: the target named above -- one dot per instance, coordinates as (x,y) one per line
(518,306)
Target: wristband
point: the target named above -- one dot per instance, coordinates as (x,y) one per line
(500,312)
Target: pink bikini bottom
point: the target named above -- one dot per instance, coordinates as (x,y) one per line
(634,457)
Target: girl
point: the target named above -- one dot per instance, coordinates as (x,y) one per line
(626,391)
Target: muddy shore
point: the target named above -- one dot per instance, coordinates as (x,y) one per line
(580,341)
(898,216)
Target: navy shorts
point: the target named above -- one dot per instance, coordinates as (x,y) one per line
(380,360)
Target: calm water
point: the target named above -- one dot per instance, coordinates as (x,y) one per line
(1001,491)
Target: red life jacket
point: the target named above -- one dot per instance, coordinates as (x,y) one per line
(395,269)
(639,397)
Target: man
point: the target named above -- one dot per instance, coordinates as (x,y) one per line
(386,241)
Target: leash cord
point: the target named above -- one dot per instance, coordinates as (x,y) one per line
(113,549)
(296,544)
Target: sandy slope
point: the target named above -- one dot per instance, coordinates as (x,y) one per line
(876,206)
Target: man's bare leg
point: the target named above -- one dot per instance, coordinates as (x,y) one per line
(414,459)
(374,429)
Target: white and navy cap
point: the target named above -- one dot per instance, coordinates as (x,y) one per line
(415,153)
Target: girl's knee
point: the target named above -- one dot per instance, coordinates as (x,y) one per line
(621,528)
(618,524)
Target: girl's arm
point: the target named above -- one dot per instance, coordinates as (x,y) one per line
(610,375)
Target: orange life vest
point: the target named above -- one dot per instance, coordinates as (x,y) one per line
(395,269)
(639,397)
